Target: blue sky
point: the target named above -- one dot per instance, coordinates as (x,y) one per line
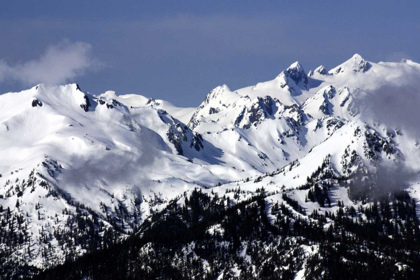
(180,50)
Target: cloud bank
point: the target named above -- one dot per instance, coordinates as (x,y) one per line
(59,64)
(396,102)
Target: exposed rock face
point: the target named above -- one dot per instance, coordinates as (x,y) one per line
(297,74)
(294,79)
(36,103)
(321,70)
(85,106)
(256,112)
(110,104)
(180,135)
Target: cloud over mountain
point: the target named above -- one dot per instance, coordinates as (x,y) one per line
(58,64)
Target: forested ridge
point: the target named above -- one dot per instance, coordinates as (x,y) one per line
(206,237)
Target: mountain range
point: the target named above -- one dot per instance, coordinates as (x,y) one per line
(84,173)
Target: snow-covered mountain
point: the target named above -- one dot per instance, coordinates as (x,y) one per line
(80,171)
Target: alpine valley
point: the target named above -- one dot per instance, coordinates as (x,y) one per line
(287,179)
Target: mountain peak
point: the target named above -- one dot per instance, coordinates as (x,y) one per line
(296,72)
(321,70)
(355,64)
(357,56)
(296,65)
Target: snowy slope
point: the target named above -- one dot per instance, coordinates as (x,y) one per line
(63,150)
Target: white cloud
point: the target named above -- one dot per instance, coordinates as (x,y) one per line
(59,64)
(396,101)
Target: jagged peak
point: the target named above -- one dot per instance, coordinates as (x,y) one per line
(296,66)
(220,88)
(151,101)
(296,73)
(355,64)
(321,70)
(215,93)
